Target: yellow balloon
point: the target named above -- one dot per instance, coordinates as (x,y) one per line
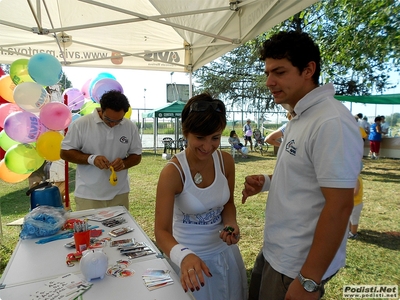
(48,145)
(128,113)
(7,87)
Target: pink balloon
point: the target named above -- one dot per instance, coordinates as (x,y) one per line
(75,98)
(7,109)
(23,126)
(55,115)
(85,89)
(105,85)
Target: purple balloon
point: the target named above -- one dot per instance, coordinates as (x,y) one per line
(105,85)
(23,127)
(75,98)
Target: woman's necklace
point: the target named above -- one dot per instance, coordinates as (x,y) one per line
(198,178)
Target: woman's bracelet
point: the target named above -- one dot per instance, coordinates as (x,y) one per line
(178,253)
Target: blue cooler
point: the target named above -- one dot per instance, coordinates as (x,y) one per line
(45,194)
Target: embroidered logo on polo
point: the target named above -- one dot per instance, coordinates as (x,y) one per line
(124,140)
(291,148)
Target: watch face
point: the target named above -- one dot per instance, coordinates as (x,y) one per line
(309,286)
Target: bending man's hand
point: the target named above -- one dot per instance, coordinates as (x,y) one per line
(252,186)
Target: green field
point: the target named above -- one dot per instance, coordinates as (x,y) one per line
(374,258)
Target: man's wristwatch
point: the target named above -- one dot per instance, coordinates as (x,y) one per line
(308,284)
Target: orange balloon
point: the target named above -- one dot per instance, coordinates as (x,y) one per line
(7,87)
(9,176)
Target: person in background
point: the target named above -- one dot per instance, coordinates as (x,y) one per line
(306,224)
(235,142)
(248,134)
(97,142)
(362,131)
(365,124)
(384,126)
(375,138)
(195,217)
(356,213)
(275,137)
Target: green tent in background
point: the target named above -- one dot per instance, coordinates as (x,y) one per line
(171,110)
(372,99)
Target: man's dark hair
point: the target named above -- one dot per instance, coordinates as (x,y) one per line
(360,115)
(296,47)
(114,100)
(378,119)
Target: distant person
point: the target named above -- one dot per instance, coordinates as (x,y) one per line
(384,126)
(365,124)
(235,143)
(275,137)
(248,134)
(375,138)
(362,130)
(98,141)
(195,218)
(356,213)
(310,196)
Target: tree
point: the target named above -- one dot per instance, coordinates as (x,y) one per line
(235,78)
(359,45)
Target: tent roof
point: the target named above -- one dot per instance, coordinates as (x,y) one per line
(173,35)
(372,99)
(172,110)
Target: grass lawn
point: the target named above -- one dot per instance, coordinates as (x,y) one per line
(374,258)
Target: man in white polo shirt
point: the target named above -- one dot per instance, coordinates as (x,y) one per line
(311,191)
(97,142)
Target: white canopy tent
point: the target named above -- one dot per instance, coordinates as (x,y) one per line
(173,35)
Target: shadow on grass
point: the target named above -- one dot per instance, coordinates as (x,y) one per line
(389,240)
(384,177)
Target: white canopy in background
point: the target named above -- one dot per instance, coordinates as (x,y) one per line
(166,35)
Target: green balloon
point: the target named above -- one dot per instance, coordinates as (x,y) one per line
(6,142)
(23,159)
(88,108)
(19,71)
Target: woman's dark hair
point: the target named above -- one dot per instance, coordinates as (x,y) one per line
(296,47)
(232,133)
(203,115)
(114,100)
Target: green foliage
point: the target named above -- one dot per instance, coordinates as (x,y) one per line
(235,79)
(359,42)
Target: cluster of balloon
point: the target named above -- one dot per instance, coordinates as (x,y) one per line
(88,97)
(29,121)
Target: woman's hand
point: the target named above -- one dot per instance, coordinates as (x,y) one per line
(192,269)
(230,234)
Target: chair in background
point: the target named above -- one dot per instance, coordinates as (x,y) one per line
(169,145)
(181,144)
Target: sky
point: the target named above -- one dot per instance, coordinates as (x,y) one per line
(147,89)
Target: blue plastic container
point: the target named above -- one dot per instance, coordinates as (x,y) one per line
(45,195)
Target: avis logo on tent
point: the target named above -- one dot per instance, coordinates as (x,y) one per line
(166,56)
